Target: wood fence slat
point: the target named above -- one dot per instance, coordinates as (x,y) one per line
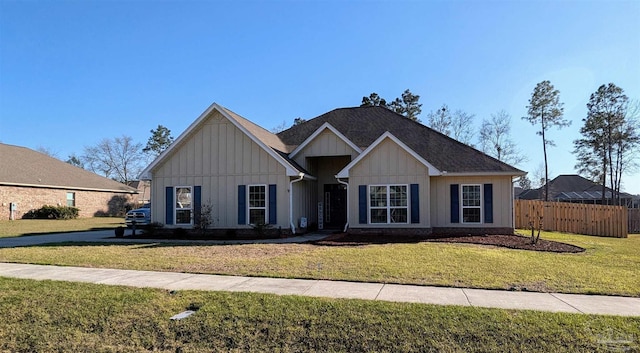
(601,220)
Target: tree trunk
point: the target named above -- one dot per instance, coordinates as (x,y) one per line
(546,168)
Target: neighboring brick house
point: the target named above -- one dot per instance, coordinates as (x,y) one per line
(30,180)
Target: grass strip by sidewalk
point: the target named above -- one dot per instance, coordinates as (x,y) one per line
(22,227)
(48,316)
(608,266)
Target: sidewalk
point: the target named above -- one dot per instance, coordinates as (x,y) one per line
(553,302)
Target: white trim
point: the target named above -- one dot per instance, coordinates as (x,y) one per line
(293,227)
(462,206)
(318,131)
(344,173)
(146,173)
(176,209)
(62,187)
(266,203)
(346,185)
(388,206)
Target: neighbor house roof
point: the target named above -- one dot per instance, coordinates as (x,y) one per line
(25,167)
(570,187)
(364,125)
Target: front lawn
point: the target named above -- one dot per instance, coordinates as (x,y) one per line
(608,266)
(21,227)
(48,316)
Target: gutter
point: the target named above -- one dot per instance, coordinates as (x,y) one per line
(293,228)
(77,188)
(346,226)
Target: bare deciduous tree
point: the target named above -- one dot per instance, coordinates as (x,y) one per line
(120,158)
(496,141)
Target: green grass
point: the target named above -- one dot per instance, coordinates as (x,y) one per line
(48,316)
(22,227)
(608,266)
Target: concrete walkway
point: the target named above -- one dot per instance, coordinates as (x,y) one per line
(553,302)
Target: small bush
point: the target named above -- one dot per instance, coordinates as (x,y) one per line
(52,212)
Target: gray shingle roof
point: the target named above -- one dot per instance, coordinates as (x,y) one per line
(363,125)
(23,166)
(570,187)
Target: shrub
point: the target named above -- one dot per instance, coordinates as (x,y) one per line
(53,212)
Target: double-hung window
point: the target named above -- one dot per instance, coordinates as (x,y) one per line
(471,204)
(71,199)
(184,204)
(388,204)
(257,204)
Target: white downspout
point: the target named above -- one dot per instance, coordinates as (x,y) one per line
(293,228)
(347,185)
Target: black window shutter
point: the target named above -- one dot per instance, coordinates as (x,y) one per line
(362,204)
(197,204)
(168,217)
(415,203)
(455,203)
(242,204)
(273,212)
(488,203)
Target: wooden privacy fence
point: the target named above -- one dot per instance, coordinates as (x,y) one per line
(606,221)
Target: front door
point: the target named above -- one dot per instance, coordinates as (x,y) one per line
(335,206)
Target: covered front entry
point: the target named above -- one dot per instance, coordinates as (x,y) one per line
(335,206)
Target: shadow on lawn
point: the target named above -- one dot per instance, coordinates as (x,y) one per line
(516,242)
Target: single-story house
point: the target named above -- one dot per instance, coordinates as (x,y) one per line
(30,180)
(576,189)
(363,169)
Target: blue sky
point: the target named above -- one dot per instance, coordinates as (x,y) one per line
(75,72)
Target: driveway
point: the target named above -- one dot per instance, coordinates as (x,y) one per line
(102,236)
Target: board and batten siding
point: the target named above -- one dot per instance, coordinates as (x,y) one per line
(388,163)
(501,194)
(325,144)
(218,156)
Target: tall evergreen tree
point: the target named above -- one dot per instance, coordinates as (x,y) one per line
(407,105)
(607,139)
(159,141)
(545,109)
(373,100)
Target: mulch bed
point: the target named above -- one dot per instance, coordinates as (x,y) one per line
(507,241)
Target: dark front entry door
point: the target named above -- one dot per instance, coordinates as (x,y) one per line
(335,206)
